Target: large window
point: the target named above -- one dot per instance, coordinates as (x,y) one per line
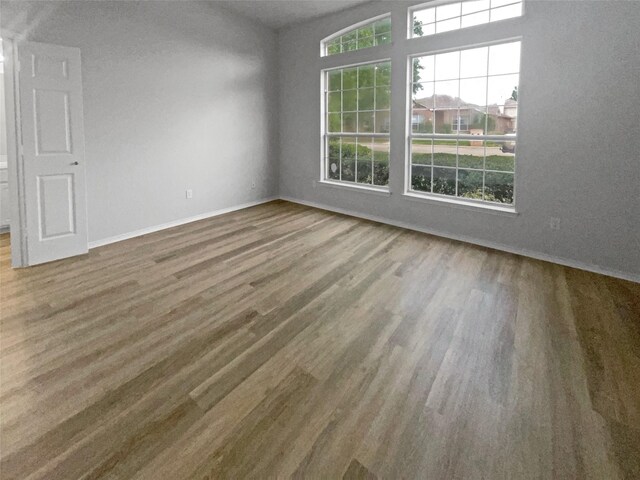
(371,34)
(463,115)
(357,124)
(449,16)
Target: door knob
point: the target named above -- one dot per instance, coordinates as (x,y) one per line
(74,163)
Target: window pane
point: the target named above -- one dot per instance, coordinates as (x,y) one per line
(448,25)
(446,93)
(365,98)
(349,122)
(504,58)
(349,41)
(473,92)
(447,66)
(428,15)
(498,187)
(445,153)
(382,26)
(421,178)
(350,100)
(423,69)
(501,156)
(479,18)
(444,12)
(474,6)
(382,121)
(383,98)
(501,88)
(423,93)
(348,159)
(470,184)
(364,157)
(473,62)
(366,76)
(364,171)
(444,181)
(334,47)
(365,122)
(471,154)
(335,102)
(503,13)
(334,121)
(380,161)
(335,80)
(421,151)
(350,78)
(333,164)
(383,74)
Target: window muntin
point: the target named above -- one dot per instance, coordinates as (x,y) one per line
(357,124)
(455,16)
(463,123)
(372,34)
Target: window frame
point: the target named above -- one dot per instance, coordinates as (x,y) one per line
(352,27)
(325,134)
(437,3)
(410,135)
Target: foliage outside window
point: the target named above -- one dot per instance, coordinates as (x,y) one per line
(357,124)
(369,35)
(454,16)
(464,121)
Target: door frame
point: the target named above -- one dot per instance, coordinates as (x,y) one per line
(15,165)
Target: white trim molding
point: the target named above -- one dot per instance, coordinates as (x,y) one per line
(483,243)
(176,223)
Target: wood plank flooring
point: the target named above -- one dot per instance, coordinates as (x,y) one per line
(284,341)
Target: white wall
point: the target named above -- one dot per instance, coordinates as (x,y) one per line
(579,131)
(177,95)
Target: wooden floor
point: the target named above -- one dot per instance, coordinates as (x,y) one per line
(287,341)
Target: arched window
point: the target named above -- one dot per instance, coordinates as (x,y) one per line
(363,35)
(356,109)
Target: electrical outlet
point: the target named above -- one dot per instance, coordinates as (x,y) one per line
(554,223)
(189,193)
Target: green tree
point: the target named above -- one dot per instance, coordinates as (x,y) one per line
(417,31)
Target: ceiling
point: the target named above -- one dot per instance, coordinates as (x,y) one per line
(281,13)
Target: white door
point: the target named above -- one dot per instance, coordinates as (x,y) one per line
(50,88)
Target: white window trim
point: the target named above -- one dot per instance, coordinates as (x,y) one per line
(468,204)
(357,187)
(409,135)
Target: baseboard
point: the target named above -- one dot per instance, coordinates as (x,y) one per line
(176,223)
(496,246)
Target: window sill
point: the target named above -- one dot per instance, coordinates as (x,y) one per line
(494,209)
(355,187)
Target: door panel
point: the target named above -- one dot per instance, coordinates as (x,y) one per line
(53,151)
(56,190)
(52,122)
